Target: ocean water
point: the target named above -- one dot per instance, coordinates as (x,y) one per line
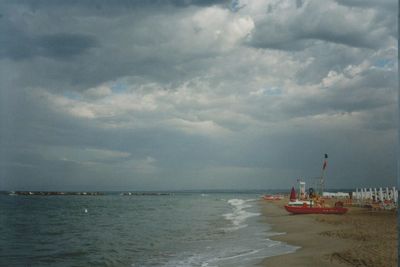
(183,229)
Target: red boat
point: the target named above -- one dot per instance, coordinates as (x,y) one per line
(317,210)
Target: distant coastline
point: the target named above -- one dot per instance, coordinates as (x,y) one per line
(51,193)
(149,192)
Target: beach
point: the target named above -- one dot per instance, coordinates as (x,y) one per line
(361,237)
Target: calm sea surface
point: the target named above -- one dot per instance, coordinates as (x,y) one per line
(183,229)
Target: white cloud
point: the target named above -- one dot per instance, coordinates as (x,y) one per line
(219,26)
(207,127)
(216,105)
(99,91)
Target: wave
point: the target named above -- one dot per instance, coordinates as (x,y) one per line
(233,247)
(242,254)
(210,260)
(239,215)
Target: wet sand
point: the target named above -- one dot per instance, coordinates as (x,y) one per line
(361,237)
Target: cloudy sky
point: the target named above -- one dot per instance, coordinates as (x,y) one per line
(181,94)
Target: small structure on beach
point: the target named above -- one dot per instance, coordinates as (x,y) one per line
(302,190)
(335,195)
(383,198)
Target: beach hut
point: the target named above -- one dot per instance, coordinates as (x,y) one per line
(394,195)
(302,189)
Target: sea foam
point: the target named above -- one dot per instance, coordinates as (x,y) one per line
(239,215)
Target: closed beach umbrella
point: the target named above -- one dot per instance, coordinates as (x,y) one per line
(292,195)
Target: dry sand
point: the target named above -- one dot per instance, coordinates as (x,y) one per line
(361,237)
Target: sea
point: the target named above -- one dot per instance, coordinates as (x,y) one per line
(205,229)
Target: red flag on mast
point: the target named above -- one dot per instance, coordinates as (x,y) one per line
(325,162)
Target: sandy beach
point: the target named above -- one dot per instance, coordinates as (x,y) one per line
(361,237)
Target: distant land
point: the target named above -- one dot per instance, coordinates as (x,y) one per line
(148,193)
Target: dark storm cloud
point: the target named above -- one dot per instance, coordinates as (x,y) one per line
(63,45)
(385,12)
(14,43)
(298,37)
(94,49)
(373,89)
(386,4)
(297,28)
(195,94)
(18,46)
(123,4)
(330,57)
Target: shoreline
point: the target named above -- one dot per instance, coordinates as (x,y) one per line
(360,237)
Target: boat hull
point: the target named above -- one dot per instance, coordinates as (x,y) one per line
(315,210)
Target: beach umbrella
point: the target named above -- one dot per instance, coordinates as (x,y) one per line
(292,194)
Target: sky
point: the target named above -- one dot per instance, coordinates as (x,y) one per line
(191,94)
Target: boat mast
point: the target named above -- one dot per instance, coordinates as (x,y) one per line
(322,174)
